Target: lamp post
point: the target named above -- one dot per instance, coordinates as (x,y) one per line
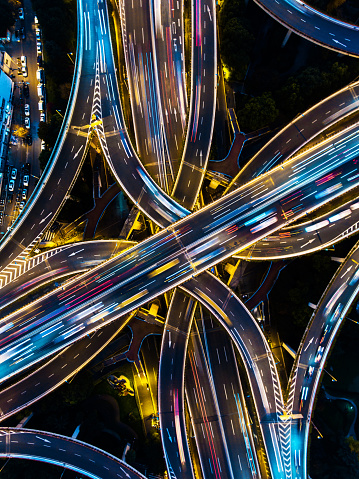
(69,55)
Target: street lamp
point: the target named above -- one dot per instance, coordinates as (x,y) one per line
(68,54)
(333,378)
(352,320)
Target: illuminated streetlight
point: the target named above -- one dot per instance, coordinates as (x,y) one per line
(68,54)
(333,378)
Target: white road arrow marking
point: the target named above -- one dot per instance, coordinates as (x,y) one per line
(77,153)
(45,218)
(308,344)
(75,252)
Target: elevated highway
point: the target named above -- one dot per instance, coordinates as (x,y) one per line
(314,25)
(193,244)
(64,452)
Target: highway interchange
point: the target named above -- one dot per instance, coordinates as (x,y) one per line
(188,244)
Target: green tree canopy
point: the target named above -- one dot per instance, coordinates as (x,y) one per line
(7,17)
(257,113)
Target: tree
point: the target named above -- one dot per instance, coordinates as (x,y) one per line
(258,112)
(20,131)
(50,131)
(353,445)
(44,159)
(7,17)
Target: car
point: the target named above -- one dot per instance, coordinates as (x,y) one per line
(42,117)
(29,139)
(41,105)
(319,354)
(310,371)
(38,33)
(36,21)
(11,185)
(24,194)
(24,71)
(22,33)
(23,60)
(27,168)
(326,330)
(38,47)
(17,35)
(26,179)
(303,397)
(40,90)
(27,109)
(39,60)
(337,312)
(21,205)
(43,145)
(27,122)
(40,75)
(21,13)
(26,90)
(13,174)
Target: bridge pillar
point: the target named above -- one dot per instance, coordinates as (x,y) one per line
(286,38)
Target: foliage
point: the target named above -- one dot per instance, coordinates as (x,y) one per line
(7,16)
(49,131)
(258,112)
(58,42)
(20,131)
(353,445)
(332,458)
(310,85)
(44,158)
(236,38)
(301,282)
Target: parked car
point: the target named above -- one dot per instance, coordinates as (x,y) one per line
(40,75)
(23,60)
(29,139)
(13,173)
(26,180)
(27,122)
(21,205)
(11,185)
(24,194)
(22,33)
(40,90)
(36,20)
(38,48)
(42,116)
(21,13)
(39,60)
(27,109)
(26,90)
(24,71)
(43,145)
